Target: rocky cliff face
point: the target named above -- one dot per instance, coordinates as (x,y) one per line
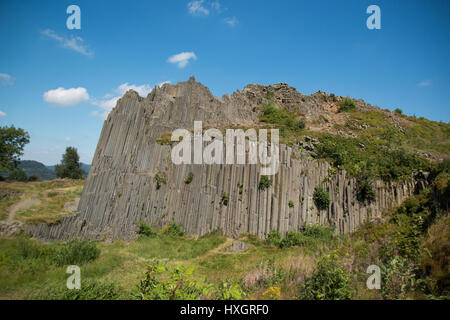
(120,190)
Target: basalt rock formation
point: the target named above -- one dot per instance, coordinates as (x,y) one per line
(121,191)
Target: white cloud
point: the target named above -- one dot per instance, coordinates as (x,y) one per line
(424,83)
(68,138)
(2,114)
(109,100)
(196,7)
(6,79)
(231,21)
(182,58)
(217,6)
(73,43)
(143,90)
(163,83)
(66,97)
(105,105)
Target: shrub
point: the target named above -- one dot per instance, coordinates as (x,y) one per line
(398,111)
(398,278)
(173,230)
(364,189)
(264,183)
(291,204)
(33,177)
(189,178)
(292,238)
(178,284)
(329,281)
(274,238)
(321,198)
(434,260)
(17,174)
(76,252)
(145,229)
(229,291)
(347,105)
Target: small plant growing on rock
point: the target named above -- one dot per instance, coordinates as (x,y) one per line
(264,183)
(241,188)
(321,198)
(291,204)
(225,199)
(159,179)
(364,189)
(189,178)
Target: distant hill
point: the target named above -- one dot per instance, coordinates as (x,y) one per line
(86,167)
(32,167)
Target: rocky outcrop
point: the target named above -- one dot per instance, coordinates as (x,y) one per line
(121,191)
(10,228)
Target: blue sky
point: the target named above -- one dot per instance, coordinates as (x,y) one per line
(311,45)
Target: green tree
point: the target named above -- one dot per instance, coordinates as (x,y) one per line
(12,142)
(17,174)
(70,166)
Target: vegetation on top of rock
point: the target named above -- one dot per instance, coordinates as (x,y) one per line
(347,105)
(375,159)
(272,114)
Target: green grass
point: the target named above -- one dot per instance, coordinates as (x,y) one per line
(288,120)
(53,194)
(175,248)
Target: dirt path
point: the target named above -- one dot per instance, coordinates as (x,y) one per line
(22,205)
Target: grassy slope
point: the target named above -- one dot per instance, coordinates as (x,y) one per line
(53,194)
